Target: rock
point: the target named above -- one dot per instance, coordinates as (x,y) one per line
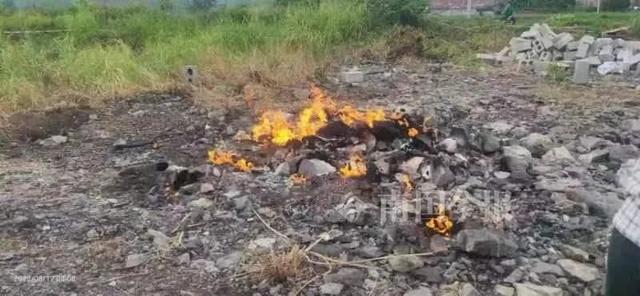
(590,142)
(201,203)
(382,166)
(621,153)
(206,188)
(331,289)
(529,289)
(92,234)
(206,265)
(411,167)
(517,159)
(160,240)
(241,203)
(134,260)
(484,242)
(263,244)
(557,185)
(442,176)
(449,145)
(574,253)
(515,276)
(537,144)
(370,252)
(347,275)
(489,143)
(315,167)
(631,125)
(469,290)
(422,291)
(628,176)
(352,76)
(583,272)
(501,174)
(405,263)
(541,267)
(504,290)
(284,169)
(184,259)
(429,274)
(230,260)
(499,127)
(599,155)
(601,205)
(53,141)
(558,155)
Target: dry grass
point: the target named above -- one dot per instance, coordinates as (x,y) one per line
(281,267)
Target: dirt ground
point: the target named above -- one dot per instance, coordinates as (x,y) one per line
(81,207)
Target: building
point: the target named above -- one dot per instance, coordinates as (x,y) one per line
(462,6)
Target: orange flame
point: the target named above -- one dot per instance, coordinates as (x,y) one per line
(219,157)
(407,183)
(298,179)
(442,223)
(412,132)
(356,167)
(350,116)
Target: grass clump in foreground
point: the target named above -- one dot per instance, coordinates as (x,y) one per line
(103,52)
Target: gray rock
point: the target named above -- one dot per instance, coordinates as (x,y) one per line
(601,205)
(599,155)
(160,240)
(499,127)
(241,203)
(429,274)
(405,263)
(230,260)
(449,145)
(263,244)
(134,260)
(529,289)
(469,290)
(184,259)
(537,144)
(558,155)
(411,166)
(201,203)
(517,159)
(590,142)
(206,265)
(583,272)
(370,252)
(206,188)
(489,143)
(484,242)
(621,153)
(628,176)
(331,289)
(541,267)
(53,141)
(315,167)
(442,176)
(504,290)
(347,276)
(515,276)
(382,166)
(574,253)
(422,291)
(284,169)
(557,185)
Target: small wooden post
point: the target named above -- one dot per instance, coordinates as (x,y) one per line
(469,8)
(598,9)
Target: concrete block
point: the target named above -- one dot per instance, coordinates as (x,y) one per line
(618,42)
(531,34)
(503,52)
(573,45)
(520,44)
(624,54)
(562,40)
(633,45)
(593,60)
(587,39)
(581,72)
(353,76)
(487,58)
(583,50)
(557,55)
(602,42)
(538,46)
(611,68)
(545,56)
(633,60)
(606,54)
(521,56)
(546,30)
(546,40)
(569,55)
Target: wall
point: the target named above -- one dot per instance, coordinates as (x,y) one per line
(67,3)
(460,4)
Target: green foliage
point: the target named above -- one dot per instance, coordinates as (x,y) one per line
(545,5)
(167,5)
(615,4)
(557,74)
(202,5)
(396,12)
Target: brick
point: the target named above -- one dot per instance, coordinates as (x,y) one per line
(624,54)
(519,44)
(503,52)
(562,40)
(583,50)
(593,60)
(546,30)
(606,54)
(633,60)
(546,40)
(573,45)
(587,39)
(581,72)
(569,55)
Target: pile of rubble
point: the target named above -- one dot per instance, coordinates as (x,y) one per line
(540,47)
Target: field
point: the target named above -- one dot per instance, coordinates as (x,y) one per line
(87,54)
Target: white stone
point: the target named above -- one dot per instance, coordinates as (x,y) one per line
(353,76)
(315,167)
(201,203)
(528,289)
(583,272)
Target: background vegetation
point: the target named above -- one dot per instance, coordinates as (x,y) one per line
(89,53)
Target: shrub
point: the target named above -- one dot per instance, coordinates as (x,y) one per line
(395,12)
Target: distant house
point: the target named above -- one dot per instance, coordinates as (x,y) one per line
(461,6)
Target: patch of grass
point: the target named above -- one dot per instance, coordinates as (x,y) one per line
(281,267)
(557,74)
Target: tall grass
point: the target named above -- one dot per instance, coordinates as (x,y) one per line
(104,52)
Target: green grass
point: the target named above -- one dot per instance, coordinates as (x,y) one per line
(105,52)
(110,51)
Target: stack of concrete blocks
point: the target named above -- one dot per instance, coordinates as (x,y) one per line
(539,47)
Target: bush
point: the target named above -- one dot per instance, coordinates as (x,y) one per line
(396,12)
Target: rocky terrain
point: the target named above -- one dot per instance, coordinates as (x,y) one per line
(122,200)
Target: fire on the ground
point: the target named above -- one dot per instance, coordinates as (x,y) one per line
(441,223)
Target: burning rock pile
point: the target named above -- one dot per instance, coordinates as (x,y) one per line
(541,47)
